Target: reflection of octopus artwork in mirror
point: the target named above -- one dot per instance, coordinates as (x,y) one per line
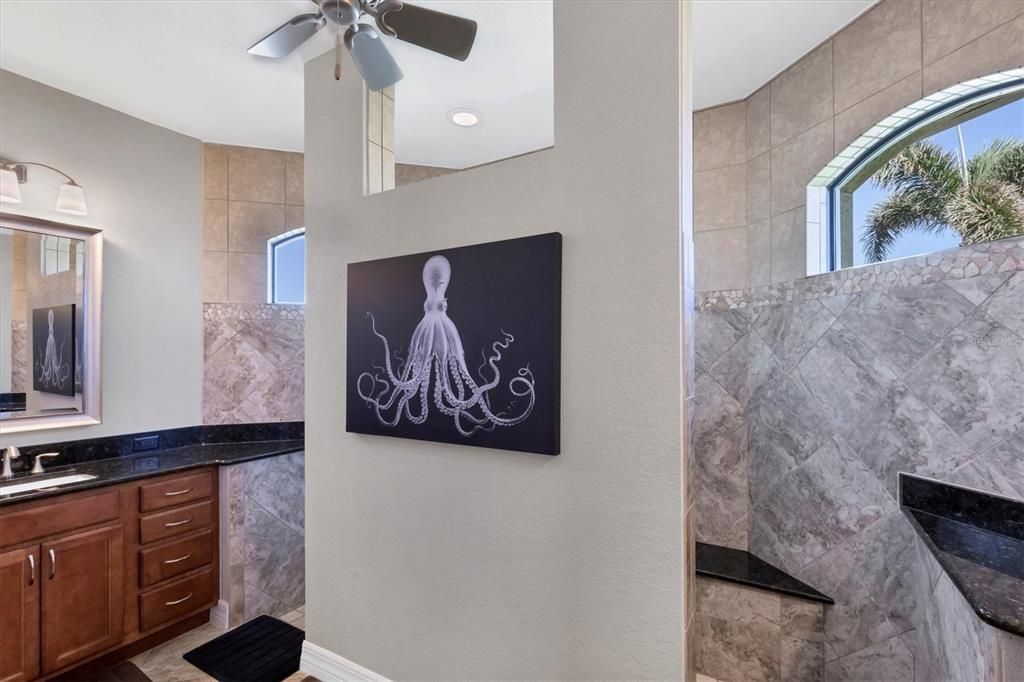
(427,389)
(53,349)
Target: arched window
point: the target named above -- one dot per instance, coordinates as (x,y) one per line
(286,267)
(944,171)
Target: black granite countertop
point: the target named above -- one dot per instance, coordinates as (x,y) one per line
(738,566)
(112,459)
(978,539)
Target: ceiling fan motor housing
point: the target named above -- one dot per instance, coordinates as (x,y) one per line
(343,12)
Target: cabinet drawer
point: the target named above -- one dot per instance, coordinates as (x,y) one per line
(69,513)
(176,521)
(176,599)
(174,491)
(174,558)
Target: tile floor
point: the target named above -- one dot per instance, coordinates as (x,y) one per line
(165,663)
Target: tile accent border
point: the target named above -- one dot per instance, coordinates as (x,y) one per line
(1004,255)
(253,311)
(327,666)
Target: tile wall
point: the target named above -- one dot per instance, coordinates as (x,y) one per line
(754,158)
(263,520)
(20,359)
(812,393)
(253,351)
(249,196)
(254,363)
(380,140)
(752,635)
(812,398)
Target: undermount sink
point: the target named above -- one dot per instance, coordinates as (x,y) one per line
(40,484)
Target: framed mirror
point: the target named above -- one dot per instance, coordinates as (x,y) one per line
(50,279)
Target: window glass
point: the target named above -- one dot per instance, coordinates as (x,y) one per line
(54,255)
(959,181)
(287,254)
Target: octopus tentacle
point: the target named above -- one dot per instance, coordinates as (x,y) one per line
(496,349)
(398,383)
(435,354)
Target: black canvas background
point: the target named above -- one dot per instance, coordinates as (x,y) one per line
(63,335)
(513,285)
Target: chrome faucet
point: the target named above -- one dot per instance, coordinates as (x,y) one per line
(10,452)
(37,468)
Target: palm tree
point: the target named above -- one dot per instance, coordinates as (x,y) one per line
(932,190)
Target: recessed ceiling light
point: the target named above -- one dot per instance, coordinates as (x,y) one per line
(464,118)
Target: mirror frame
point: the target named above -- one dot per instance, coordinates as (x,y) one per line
(92,298)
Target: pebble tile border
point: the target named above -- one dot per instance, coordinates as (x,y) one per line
(253,311)
(1004,255)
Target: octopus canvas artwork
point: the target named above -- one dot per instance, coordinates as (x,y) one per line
(53,349)
(458,345)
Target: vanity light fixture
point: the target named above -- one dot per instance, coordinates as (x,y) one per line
(10,193)
(70,198)
(464,118)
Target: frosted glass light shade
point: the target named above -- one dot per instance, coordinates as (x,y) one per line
(10,193)
(71,199)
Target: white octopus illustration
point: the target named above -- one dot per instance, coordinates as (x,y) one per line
(435,350)
(53,371)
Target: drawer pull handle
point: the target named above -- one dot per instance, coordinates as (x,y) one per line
(32,568)
(172,493)
(181,558)
(53,563)
(172,524)
(178,601)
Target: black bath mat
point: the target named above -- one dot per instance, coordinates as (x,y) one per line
(263,650)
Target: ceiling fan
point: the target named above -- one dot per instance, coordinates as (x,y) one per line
(439,32)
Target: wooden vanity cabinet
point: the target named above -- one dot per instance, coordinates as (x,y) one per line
(83,595)
(86,574)
(19,614)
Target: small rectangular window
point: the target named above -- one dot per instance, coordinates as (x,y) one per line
(286,255)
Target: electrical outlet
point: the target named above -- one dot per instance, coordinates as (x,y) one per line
(146,443)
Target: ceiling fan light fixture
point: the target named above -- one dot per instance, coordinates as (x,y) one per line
(464,118)
(371,57)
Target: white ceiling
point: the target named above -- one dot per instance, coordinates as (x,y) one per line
(739,45)
(182,65)
(508,79)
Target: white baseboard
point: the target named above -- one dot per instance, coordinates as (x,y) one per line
(219,615)
(328,666)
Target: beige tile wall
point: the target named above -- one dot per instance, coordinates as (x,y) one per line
(380,140)
(754,158)
(249,196)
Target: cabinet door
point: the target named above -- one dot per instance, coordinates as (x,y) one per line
(83,596)
(19,614)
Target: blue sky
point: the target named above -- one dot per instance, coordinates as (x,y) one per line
(1004,122)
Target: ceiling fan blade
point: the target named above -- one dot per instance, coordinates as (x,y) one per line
(372,57)
(443,33)
(283,40)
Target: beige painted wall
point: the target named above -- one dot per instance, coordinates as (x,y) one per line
(142,184)
(434,561)
(754,158)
